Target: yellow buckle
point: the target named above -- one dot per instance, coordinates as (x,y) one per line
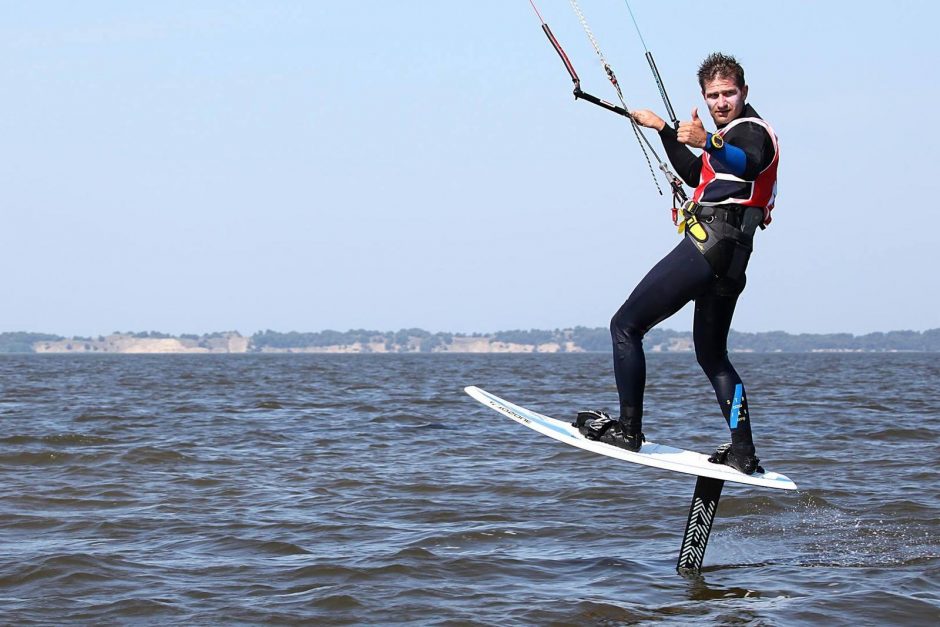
(690,222)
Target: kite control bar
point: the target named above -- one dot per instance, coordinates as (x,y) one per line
(579,94)
(675,183)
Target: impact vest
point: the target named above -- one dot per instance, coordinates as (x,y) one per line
(730,189)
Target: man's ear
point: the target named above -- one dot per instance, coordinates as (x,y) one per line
(744,92)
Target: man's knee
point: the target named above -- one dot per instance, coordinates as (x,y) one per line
(712,361)
(622,329)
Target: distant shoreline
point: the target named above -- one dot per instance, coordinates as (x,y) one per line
(576,340)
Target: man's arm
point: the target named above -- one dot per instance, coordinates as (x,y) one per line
(730,158)
(687,164)
(756,146)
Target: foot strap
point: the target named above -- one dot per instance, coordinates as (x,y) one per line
(593,424)
(720,456)
(724,454)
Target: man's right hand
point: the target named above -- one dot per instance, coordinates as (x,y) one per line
(645,117)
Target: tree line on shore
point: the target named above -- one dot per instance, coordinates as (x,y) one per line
(576,339)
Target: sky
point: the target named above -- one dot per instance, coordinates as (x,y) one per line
(197,166)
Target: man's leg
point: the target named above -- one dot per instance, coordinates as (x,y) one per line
(679,277)
(713,313)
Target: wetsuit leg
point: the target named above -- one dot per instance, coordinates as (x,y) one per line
(679,277)
(713,313)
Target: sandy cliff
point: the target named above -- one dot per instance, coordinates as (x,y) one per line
(231,342)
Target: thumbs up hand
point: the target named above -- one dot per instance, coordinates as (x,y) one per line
(692,133)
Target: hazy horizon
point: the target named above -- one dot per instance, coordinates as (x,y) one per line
(432,331)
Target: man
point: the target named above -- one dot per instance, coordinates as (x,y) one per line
(735,185)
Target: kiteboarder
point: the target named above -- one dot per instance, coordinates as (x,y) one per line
(735,181)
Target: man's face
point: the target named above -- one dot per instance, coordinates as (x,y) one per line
(725,99)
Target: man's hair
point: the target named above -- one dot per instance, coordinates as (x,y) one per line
(718,65)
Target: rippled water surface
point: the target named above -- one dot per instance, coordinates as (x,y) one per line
(368,489)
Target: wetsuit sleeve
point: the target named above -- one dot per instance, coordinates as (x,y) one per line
(756,144)
(687,164)
(730,156)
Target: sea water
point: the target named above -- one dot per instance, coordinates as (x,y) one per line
(369,489)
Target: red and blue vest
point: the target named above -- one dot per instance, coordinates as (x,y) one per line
(722,188)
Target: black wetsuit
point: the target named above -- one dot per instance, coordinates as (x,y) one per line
(682,276)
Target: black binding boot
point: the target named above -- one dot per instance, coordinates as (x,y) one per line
(598,426)
(738,457)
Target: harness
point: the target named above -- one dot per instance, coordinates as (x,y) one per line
(724,234)
(723,229)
